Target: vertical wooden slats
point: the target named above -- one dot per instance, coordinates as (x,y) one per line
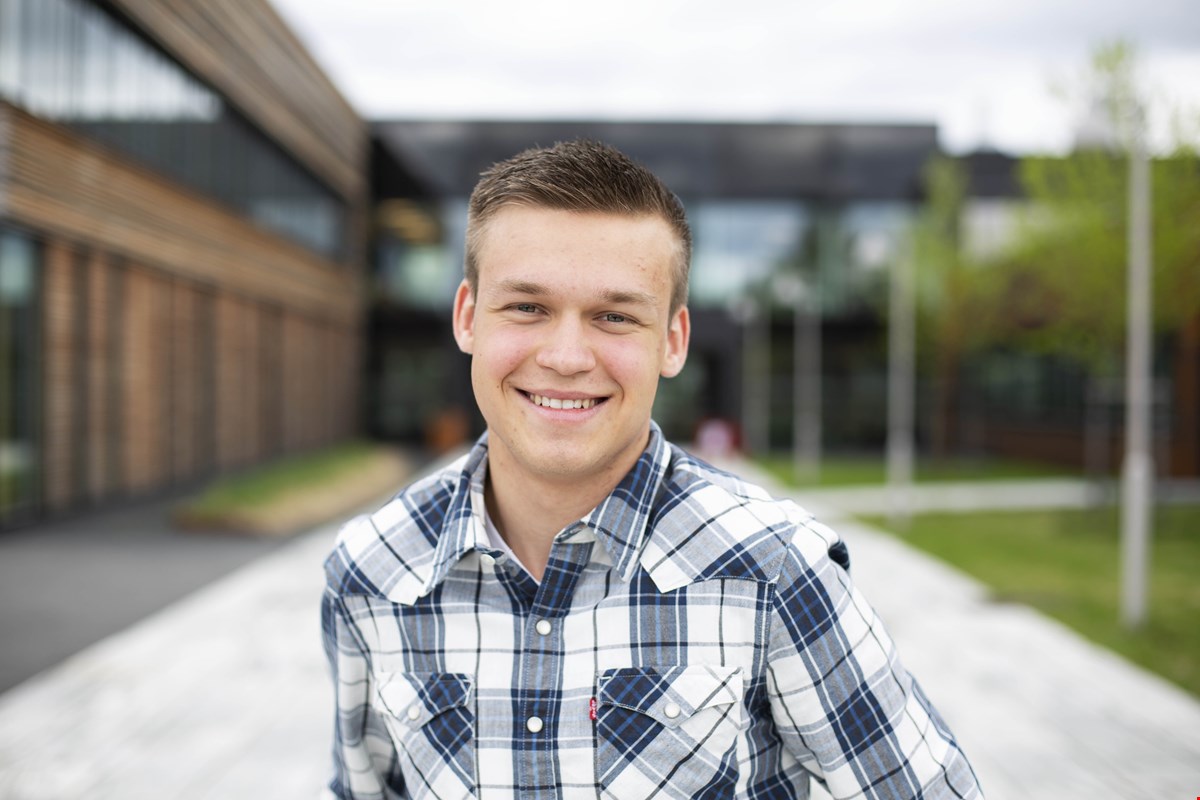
(99,368)
(58,343)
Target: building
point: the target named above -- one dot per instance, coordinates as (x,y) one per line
(797,230)
(181,207)
(778,210)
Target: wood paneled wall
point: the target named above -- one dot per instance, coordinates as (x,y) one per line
(56,181)
(178,340)
(154,380)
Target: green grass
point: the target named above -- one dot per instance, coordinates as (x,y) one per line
(865,471)
(263,485)
(1066,563)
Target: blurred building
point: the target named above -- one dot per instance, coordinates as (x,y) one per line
(782,214)
(797,229)
(181,201)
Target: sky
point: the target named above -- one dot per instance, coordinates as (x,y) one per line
(982,70)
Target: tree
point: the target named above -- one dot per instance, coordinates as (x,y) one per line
(1064,277)
(949,297)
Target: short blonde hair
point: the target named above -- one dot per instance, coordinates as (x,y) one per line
(580,175)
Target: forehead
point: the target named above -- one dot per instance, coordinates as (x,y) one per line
(534,238)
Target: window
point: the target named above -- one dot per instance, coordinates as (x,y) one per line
(18,401)
(69,61)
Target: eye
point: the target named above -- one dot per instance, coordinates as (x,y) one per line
(616,318)
(525,308)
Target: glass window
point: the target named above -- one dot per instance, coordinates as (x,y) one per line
(870,236)
(18,404)
(419,253)
(739,244)
(68,61)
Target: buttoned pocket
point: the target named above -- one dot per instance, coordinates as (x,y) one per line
(430,719)
(667,731)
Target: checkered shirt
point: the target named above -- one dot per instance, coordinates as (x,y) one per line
(691,638)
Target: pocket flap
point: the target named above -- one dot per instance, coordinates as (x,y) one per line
(670,695)
(414,698)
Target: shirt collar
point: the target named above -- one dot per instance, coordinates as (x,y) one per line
(619,522)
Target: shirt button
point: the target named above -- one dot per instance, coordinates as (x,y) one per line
(534,724)
(413,712)
(487,560)
(542,627)
(671,710)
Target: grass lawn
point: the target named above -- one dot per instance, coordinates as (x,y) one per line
(267,483)
(1066,564)
(866,470)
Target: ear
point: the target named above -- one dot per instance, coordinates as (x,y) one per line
(464,317)
(679,333)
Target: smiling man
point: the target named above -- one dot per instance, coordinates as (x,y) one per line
(578,608)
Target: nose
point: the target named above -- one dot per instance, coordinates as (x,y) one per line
(566,349)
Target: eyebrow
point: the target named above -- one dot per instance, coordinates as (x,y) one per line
(620,296)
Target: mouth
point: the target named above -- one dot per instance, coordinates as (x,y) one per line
(564,403)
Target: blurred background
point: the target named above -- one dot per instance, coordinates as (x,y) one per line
(230,235)
(211,257)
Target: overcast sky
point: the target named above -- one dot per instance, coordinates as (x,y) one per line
(980,69)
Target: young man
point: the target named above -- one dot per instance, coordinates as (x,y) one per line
(578,608)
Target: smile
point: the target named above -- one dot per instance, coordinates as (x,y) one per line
(557,402)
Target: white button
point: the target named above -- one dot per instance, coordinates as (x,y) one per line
(486,560)
(414,711)
(542,627)
(534,724)
(671,710)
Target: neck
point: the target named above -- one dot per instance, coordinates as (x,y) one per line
(529,511)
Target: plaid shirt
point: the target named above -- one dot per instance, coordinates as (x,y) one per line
(690,637)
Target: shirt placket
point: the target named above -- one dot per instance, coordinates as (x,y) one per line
(538,698)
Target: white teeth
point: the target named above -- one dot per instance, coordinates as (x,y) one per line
(555,402)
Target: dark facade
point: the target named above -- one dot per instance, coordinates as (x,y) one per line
(823,204)
(773,207)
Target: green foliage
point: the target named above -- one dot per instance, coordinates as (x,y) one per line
(265,484)
(1065,563)
(872,471)
(1063,285)
(940,288)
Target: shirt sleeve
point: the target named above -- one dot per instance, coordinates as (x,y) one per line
(365,763)
(842,702)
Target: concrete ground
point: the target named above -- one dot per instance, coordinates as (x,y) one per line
(224,694)
(68,584)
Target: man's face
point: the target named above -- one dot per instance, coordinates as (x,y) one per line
(569,330)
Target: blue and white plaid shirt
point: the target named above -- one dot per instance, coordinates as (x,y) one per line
(691,637)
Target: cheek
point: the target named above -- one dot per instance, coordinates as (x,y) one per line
(498,356)
(635,364)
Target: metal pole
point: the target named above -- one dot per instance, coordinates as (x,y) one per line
(755,382)
(901,390)
(806,380)
(807,364)
(1137,507)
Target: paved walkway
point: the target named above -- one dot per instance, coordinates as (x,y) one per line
(224,694)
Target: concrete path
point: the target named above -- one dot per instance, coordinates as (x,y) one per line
(224,694)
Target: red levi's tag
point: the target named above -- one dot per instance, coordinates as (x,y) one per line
(592,713)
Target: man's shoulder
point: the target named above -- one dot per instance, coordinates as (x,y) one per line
(374,551)
(711,524)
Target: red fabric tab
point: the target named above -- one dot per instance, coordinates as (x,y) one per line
(592,714)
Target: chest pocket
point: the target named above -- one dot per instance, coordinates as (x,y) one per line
(430,718)
(667,731)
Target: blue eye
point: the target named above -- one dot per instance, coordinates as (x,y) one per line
(526,308)
(615,318)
